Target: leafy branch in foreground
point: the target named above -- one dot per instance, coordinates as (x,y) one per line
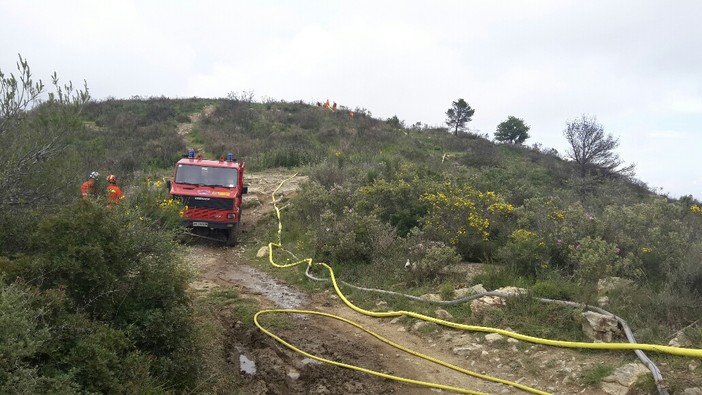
(35,134)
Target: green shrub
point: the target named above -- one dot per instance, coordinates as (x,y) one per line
(556,287)
(561,225)
(46,348)
(652,237)
(595,259)
(287,157)
(331,175)
(447,291)
(118,268)
(314,199)
(395,201)
(428,259)
(351,238)
(493,277)
(525,253)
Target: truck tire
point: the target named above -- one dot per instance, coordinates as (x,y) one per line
(232,235)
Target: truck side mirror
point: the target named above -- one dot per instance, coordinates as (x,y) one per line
(168,185)
(244,189)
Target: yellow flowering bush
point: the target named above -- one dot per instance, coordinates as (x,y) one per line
(464,217)
(155,205)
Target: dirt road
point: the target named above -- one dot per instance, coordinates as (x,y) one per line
(271,368)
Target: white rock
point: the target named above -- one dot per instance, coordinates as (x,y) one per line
(603,301)
(493,337)
(443,315)
(475,289)
(621,381)
(464,350)
(600,327)
(680,340)
(263,251)
(479,306)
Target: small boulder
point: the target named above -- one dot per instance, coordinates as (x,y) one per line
(467,349)
(622,381)
(603,301)
(480,306)
(443,315)
(263,251)
(600,328)
(680,340)
(475,289)
(493,337)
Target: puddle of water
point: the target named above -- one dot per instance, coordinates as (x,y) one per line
(246,365)
(260,282)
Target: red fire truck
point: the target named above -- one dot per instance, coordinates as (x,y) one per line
(212,192)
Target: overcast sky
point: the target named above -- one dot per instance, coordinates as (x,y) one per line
(634,65)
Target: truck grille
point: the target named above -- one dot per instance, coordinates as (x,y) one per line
(208,202)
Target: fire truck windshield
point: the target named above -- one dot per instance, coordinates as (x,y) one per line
(209,176)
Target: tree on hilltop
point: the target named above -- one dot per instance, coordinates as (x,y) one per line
(513,130)
(458,115)
(592,149)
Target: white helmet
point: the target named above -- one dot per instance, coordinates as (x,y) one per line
(94,175)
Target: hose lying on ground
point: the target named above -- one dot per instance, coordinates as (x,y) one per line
(602,346)
(655,372)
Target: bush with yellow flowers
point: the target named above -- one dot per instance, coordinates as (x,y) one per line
(466,218)
(154,205)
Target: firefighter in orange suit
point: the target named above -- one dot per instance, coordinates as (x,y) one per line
(114,193)
(88,189)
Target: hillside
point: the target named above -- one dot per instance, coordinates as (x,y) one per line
(377,194)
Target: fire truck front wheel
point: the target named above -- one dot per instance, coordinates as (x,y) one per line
(232,235)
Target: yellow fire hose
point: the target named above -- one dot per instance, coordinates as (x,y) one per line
(687,352)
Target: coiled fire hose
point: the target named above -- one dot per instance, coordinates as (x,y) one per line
(637,347)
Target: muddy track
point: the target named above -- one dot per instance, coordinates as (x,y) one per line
(270,368)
